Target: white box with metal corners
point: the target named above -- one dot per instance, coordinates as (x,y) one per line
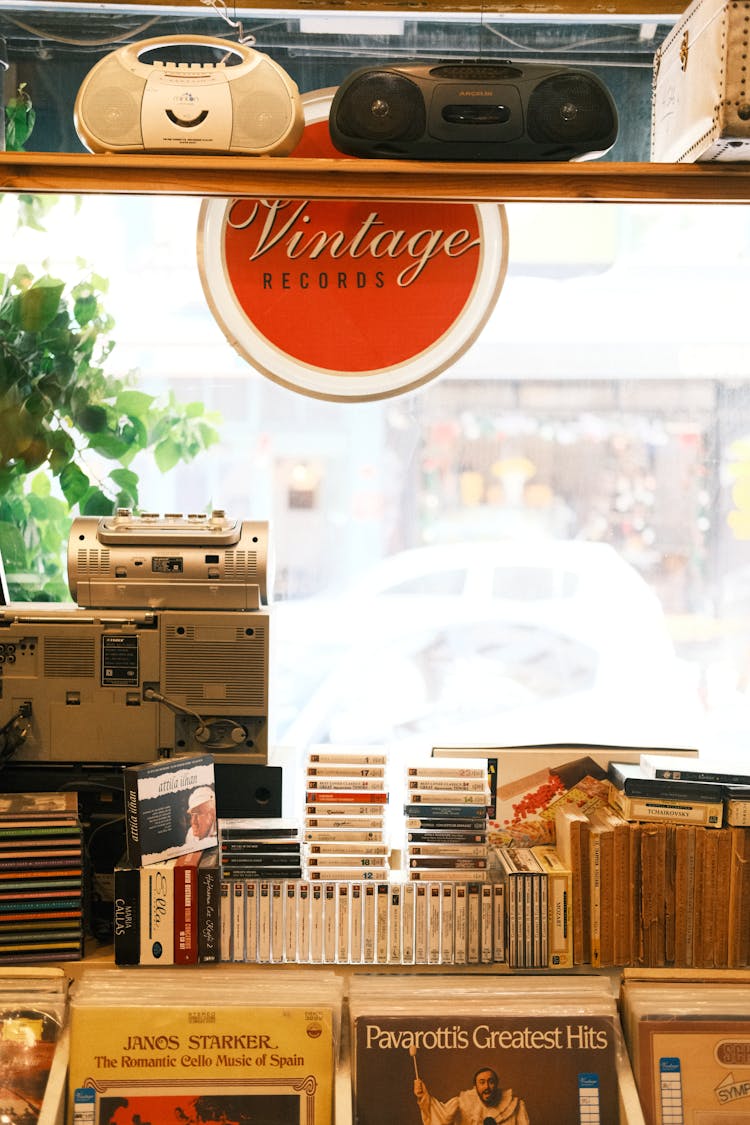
(701,86)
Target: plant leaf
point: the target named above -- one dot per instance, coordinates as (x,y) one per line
(74,483)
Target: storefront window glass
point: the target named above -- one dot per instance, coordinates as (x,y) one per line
(547,542)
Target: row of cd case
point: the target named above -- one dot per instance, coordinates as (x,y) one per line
(362,922)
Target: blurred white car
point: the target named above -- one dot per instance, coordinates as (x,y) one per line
(474,643)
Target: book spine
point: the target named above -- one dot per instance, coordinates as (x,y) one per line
(127,932)
(739,899)
(157,914)
(559,901)
(682,891)
(595,895)
(225,921)
(737,812)
(710,901)
(706,813)
(132,828)
(670,894)
(713,777)
(695,950)
(723,883)
(185,897)
(653,861)
(209,919)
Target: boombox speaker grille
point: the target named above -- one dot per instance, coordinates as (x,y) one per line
(382,106)
(262,115)
(114,109)
(568,108)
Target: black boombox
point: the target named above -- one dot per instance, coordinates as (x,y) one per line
(499,111)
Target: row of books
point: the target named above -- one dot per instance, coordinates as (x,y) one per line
(166,886)
(42,880)
(167,913)
(655,892)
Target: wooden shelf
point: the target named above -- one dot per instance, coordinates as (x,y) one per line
(290,178)
(601,9)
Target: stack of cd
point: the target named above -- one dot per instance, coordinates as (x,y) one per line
(259,848)
(41,878)
(344,830)
(446,820)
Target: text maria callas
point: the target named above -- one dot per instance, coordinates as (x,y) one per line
(273,226)
(567,1037)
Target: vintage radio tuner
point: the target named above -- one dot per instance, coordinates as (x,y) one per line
(166,650)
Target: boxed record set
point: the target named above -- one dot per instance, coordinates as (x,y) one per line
(170,808)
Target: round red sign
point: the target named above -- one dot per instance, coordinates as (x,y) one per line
(350,299)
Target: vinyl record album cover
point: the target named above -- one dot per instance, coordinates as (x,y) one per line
(201,1063)
(520,1069)
(694,1070)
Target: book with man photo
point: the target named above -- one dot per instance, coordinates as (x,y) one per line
(170,808)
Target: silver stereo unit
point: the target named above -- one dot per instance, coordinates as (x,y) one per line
(193,561)
(167,650)
(104,686)
(126,104)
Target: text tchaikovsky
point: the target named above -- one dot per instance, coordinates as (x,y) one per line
(373,241)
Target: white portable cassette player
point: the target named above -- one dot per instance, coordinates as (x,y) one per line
(126,104)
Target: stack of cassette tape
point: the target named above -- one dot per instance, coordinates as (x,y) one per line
(345,804)
(259,848)
(446,813)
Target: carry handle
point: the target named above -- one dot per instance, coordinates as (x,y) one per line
(132,52)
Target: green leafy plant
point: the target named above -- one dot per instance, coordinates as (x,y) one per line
(69,431)
(20,117)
